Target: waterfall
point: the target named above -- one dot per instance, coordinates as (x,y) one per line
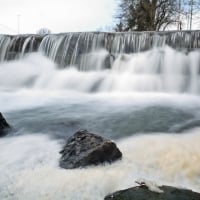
(161,69)
(69,49)
(141,89)
(103,62)
(14,47)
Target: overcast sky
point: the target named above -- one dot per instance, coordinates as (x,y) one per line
(60,15)
(56,15)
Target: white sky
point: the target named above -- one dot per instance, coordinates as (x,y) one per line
(60,15)
(56,15)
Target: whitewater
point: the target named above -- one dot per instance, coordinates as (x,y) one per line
(147,102)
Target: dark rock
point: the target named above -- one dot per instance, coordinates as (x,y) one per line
(4,126)
(85,148)
(143,193)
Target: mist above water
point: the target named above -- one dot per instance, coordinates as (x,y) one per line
(157,70)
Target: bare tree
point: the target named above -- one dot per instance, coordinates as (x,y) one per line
(190,10)
(146,15)
(43,31)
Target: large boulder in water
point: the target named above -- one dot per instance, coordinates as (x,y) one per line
(4,126)
(85,148)
(143,192)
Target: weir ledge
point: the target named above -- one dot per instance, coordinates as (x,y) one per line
(71,48)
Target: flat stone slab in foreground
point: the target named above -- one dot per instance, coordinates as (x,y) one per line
(85,148)
(143,193)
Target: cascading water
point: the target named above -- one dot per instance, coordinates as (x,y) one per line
(158,70)
(141,89)
(71,48)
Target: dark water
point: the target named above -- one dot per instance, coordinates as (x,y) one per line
(112,121)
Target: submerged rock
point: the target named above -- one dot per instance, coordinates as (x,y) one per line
(4,126)
(85,148)
(143,193)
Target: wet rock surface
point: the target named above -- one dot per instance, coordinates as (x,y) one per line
(85,148)
(143,193)
(4,126)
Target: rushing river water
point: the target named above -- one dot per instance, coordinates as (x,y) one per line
(147,102)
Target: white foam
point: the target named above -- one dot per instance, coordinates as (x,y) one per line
(151,185)
(164,158)
(157,70)
(30,163)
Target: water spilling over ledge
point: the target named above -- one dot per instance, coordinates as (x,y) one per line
(112,62)
(73,48)
(119,85)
